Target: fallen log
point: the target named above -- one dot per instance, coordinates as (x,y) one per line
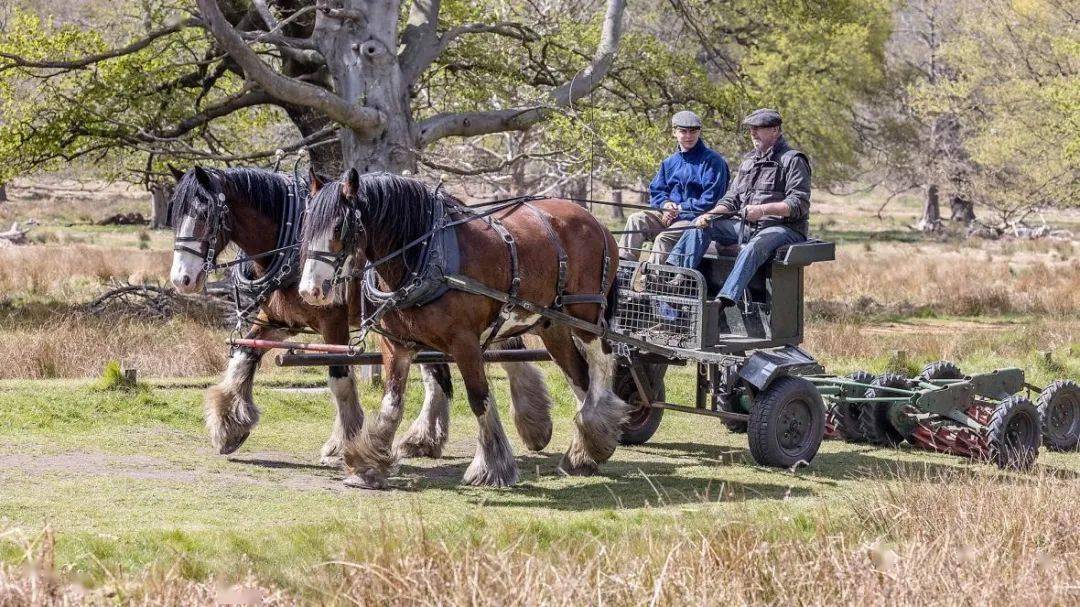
(14,235)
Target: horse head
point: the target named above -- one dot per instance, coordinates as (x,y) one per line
(200,216)
(332,232)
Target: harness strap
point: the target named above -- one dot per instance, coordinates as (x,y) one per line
(515,280)
(560,253)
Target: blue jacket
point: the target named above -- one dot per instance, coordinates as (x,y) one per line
(695,180)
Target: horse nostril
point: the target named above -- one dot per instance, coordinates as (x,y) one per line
(187,280)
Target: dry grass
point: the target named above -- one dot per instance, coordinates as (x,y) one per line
(1000,279)
(78,346)
(76,273)
(920,538)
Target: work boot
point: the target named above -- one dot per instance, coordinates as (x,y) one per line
(725,301)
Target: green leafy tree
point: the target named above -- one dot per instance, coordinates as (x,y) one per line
(365,83)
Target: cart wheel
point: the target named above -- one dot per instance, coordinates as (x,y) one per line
(787,423)
(1059,406)
(942,369)
(848,413)
(641,420)
(1014,433)
(874,417)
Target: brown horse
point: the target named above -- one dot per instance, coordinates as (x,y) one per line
(549,252)
(250,207)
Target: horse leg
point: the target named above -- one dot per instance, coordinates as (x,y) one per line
(429,431)
(598,422)
(349,416)
(228,407)
(530,404)
(493,465)
(369,459)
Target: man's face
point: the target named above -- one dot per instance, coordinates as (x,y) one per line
(764,136)
(686,136)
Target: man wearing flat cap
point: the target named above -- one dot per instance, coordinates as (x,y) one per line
(770,197)
(689,182)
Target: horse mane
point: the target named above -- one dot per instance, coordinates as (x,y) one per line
(394,210)
(267,191)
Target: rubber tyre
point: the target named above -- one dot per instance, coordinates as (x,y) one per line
(787,423)
(874,417)
(641,421)
(848,413)
(1059,408)
(735,426)
(1014,434)
(942,369)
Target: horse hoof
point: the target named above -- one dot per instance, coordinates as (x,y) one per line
(332,461)
(359,481)
(233,444)
(569,469)
(407,450)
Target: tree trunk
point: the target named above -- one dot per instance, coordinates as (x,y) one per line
(575,189)
(325,158)
(616,197)
(160,193)
(3,192)
(963,210)
(362,59)
(931,217)
(517,178)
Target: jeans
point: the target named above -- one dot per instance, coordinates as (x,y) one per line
(759,247)
(645,226)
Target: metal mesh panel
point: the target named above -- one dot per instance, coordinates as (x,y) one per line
(660,304)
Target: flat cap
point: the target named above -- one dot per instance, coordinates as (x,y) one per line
(763,117)
(686,119)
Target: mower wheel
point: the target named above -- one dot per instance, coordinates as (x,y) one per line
(1014,434)
(874,417)
(1059,406)
(848,413)
(641,419)
(787,423)
(942,369)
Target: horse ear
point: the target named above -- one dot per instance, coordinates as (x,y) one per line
(315,183)
(176,173)
(204,179)
(351,183)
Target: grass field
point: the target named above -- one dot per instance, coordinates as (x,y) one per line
(114,496)
(132,495)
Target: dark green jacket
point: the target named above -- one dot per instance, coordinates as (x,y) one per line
(780,175)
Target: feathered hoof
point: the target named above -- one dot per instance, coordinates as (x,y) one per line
(332,461)
(536,437)
(571,465)
(232,443)
(418,446)
(480,475)
(366,480)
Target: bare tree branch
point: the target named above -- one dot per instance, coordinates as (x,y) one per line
(134,47)
(290,90)
(264,12)
(581,84)
(213,112)
(418,38)
(343,14)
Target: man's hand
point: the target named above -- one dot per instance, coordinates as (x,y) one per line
(703,220)
(754,213)
(671,212)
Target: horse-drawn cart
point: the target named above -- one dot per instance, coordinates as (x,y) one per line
(752,375)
